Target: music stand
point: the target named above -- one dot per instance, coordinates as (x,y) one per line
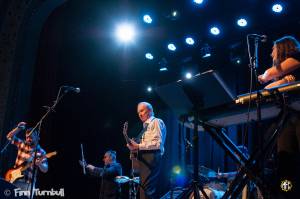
(187,98)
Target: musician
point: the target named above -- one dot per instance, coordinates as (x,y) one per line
(109,188)
(25,155)
(286,63)
(150,150)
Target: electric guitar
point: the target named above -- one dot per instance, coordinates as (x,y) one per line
(133,154)
(13,174)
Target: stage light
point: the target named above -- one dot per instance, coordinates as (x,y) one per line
(277,8)
(171,47)
(205,51)
(149,89)
(163,69)
(188,75)
(206,55)
(242,22)
(125,32)
(149,56)
(215,30)
(238,61)
(190,41)
(198,1)
(178,176)
(175,13)
(176,170)
(147,19)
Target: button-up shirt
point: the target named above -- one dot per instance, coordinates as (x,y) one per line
(154,135)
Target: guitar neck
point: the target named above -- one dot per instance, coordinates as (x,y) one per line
(27,165)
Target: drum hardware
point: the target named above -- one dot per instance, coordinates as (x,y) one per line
(133,183)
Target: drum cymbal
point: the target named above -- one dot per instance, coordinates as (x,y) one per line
(125,179)
(122,179)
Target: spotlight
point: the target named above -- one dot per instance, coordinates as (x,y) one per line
(163,64)
(125,32)
(149,56)
(163,69)
(206,55)
(171,47)
(242,22)
(189,41)
(215,31)
(205,51)
(188,75)
(198,1)
(147,19)
(175,13)
(277,8)
(149,89)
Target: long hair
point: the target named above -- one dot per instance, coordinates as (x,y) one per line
(285,46)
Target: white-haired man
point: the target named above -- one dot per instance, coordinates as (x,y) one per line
(150,149)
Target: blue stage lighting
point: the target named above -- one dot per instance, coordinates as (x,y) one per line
(147,19)
(171,47)
(277,8)
(198,1)
(190,41)
(215,30)
(125,32)
(242,22)
(163,69)
(149,56)
(176,169)
(175,13)
(206,55)
(188,75)
(149,89)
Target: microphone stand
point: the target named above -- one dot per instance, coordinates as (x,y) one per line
(254,64)
(59,96)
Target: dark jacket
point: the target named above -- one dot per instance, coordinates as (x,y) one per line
(109,188)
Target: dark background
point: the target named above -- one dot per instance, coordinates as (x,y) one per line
(77,47)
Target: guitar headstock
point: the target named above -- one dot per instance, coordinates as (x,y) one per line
(125,128)
(49,155)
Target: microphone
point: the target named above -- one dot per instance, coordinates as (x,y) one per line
(263,38)
(71,88)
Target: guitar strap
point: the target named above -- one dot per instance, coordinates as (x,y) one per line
(140,135)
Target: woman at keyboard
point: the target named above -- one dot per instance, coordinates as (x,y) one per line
(285,69)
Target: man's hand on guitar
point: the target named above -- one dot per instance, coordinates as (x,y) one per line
(39,161)
(133,146)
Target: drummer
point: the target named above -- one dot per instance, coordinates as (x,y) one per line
(109,188)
